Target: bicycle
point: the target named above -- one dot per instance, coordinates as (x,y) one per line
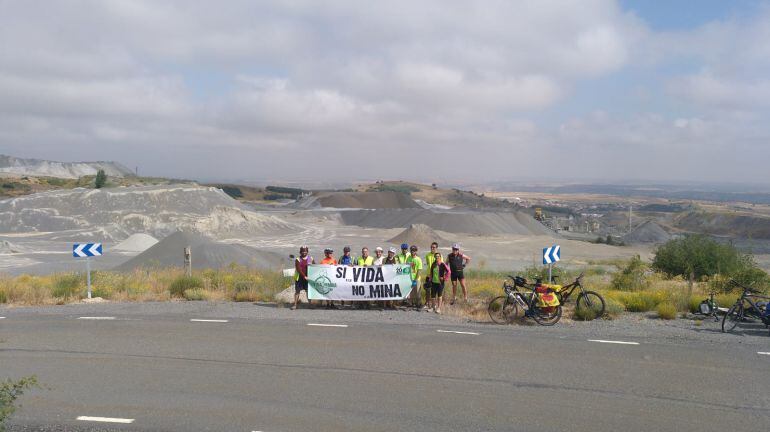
(709,307)
(586,300)
(746,309)
(505,309)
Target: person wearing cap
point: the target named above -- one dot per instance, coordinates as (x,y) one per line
(300,273)
(329,257)
(329,260)
(346,259)
(404,255)
(391,259)
(378,258)
(427,285)
(457,262)
(415,263)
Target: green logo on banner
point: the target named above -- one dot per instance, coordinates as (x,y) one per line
(323,284)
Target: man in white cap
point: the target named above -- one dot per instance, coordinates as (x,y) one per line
(378,258)
(457,262)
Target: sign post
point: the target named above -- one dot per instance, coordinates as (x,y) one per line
(550,256)
(87,250)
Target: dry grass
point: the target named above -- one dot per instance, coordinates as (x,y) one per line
(233,283)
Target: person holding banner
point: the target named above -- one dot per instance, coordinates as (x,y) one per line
(378,258)
(329,260)
(415,263)
(403,257)
(391,259)
(300,273)
(346,259)
(365,260)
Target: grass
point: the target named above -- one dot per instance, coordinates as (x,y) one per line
(666,311)
(10,391)
(233,283)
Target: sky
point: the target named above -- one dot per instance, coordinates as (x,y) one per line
(440,91)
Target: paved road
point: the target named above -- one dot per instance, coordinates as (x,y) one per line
(273,371)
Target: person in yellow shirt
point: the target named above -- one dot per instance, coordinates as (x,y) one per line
(415,263)
(430,258)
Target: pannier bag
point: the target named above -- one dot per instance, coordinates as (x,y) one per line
(546,297)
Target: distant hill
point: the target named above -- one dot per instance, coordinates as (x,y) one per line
(67,170)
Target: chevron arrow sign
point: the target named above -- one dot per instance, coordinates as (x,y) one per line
(85,250)
(552,254)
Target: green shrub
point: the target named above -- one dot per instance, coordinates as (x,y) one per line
(9,392)
(101,291)
(612,308)
(639,302)
(3,297)
(68,285)
(183,283)
(584,314)
(632,276)
(666,311)
(196,294)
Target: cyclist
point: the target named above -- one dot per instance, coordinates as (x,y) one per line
(365,259)
(415,263)
(391,258)
(329,260)
(457,262)
(300,273)
(346,259)
(378,258)
(438,271)
(404,255)
(430,258)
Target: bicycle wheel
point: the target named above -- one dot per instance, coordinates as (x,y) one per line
(732,318)
(589,305)
(502,310)
(546,316)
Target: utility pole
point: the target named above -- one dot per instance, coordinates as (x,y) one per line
(188,260)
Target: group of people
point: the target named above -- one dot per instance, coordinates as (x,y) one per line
(437,271)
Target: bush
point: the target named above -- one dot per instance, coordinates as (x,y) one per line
(100,180)
(639,302)
(68,285)
(631,277)
(666,311)
(697,256)
(183,283)
(584,314)
(196,294)
(9,392)
(233,191)
(612,308)
(3,297)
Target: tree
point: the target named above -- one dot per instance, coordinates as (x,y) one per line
(101,179)
(698,256)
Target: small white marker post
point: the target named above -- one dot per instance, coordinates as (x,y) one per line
(88,275)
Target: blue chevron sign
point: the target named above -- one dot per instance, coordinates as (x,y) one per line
(85,250)
(552,254)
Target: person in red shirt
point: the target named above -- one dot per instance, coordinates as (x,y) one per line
(329,260)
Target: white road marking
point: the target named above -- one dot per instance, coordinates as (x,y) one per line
(763,353)
(210,320)
(613,342)
(458,332)
(2,317)
(105,419)
(96,318)
(327,325)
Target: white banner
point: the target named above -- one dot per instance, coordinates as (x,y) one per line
(388,282)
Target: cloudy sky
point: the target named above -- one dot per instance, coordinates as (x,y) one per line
(432,90)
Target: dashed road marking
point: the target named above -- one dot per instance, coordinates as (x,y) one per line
(327,325)
(458,332)
(763,353)
(105,419)
(96,318)
(210,320)
(2,317)
(613,342)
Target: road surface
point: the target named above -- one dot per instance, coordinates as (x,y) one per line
(218,369)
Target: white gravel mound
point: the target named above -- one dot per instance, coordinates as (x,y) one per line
(70,170)
(136,243)
(7,247)
(119,212)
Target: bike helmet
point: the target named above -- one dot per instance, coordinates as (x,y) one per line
(519,281)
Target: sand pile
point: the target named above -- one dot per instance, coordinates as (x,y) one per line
(71,170)
(120,212)
(468,222)
(648,232)
(7,247)
(366,200)
(136,243)
(418,234)
(206,253)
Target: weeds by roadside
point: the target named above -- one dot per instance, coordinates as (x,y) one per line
(10,391)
